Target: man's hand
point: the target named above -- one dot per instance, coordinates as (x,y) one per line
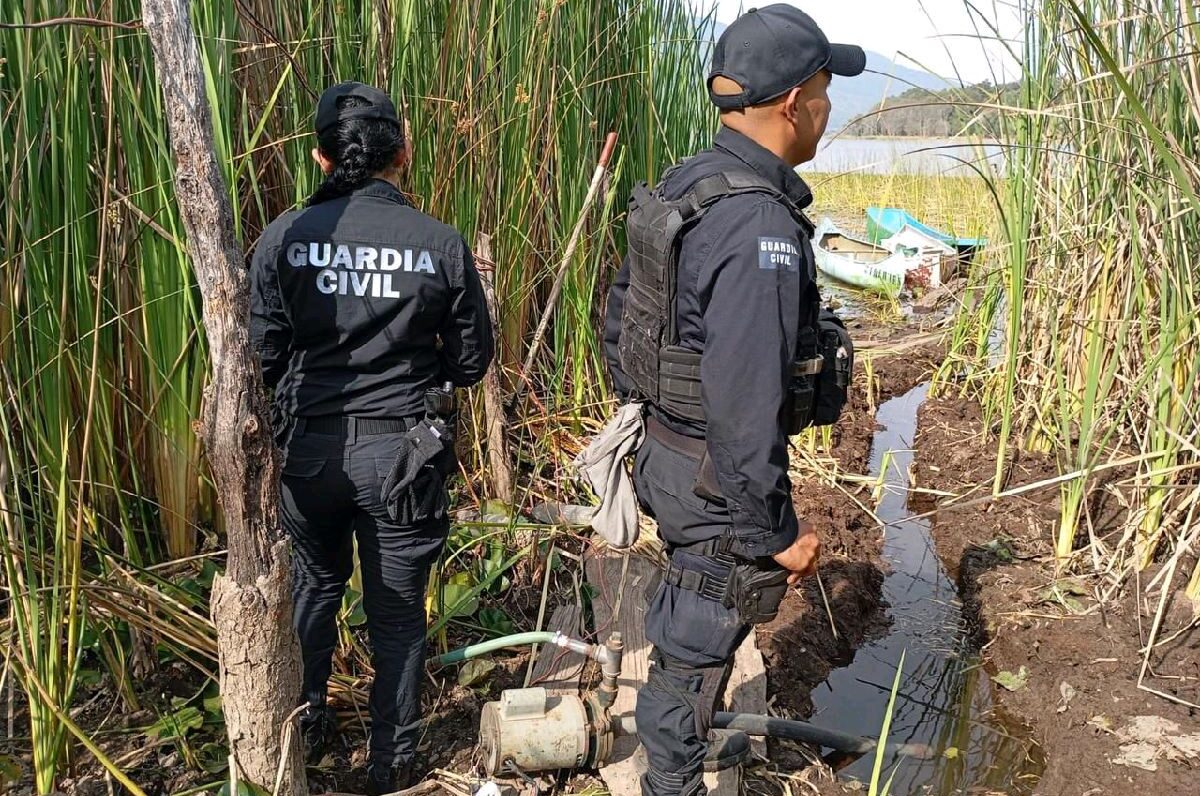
(801,558)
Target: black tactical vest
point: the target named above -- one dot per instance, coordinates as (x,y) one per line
(659,369)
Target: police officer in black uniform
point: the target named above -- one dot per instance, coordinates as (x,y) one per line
(721,250)
(361,305)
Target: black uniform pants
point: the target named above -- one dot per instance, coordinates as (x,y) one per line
(331,494)
(694,637)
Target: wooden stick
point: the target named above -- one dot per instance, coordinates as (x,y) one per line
(493,399)
(609,144)
(825,599)
(88,22)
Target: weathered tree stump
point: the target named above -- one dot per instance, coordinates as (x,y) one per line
(251,602)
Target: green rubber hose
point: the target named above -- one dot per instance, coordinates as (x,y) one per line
(484,647)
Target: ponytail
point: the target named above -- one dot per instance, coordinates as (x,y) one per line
(359,148)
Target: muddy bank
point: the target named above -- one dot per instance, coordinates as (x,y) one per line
(1072,660)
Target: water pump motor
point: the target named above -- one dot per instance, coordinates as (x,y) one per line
(535,731)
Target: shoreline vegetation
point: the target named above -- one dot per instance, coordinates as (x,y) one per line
(110,528)
(971,139)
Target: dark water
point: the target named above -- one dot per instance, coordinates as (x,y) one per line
(945,697)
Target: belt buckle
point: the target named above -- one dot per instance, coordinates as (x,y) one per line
(809,367)
(712,588)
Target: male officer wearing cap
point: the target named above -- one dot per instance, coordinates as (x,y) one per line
(742,311)
(360,306)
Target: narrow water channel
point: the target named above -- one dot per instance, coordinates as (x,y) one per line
(945,698)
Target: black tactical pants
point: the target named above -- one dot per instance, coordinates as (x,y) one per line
(330,494)
(694,637)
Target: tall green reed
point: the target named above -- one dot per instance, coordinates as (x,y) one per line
(1094,285)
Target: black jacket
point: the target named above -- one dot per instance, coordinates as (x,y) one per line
(360,303)
(744,273)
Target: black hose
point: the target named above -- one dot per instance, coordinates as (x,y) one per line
(752,724)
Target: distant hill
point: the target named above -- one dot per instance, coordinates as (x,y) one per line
(853,97)
(929,113)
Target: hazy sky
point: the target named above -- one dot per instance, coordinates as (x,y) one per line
(937,35)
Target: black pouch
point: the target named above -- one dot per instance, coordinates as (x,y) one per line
(801,402)
(424,501)
(414,488)
(756,589)
(833,382)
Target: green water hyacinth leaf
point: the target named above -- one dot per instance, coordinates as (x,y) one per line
(89,677)
(475,671)
(244,789)
(177,724)
(458,595)
(496,621)
(1010,681)
(214,758)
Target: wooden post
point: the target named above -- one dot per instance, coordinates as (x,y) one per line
(251,602)
(493,399)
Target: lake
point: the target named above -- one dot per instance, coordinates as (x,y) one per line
(931,156)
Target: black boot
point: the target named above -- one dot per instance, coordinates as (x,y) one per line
(318,726)
(726,749)
(383,779)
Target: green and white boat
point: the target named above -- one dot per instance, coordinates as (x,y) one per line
(865,265)
(885,222)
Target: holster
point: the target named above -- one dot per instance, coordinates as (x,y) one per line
(798,413)
(758,591)
(754,588)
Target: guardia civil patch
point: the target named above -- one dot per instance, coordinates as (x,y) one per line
(778,253)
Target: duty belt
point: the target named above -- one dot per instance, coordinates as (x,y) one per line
(360,426)
(692,447)
(714,587)
(706,584)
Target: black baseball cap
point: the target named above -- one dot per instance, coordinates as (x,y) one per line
(769,51)
(378,105)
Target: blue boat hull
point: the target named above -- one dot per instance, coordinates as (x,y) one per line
(883,222)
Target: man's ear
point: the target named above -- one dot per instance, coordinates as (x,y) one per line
(323,162)
(791,105)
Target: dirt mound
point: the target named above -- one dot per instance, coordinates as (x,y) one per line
(801,646)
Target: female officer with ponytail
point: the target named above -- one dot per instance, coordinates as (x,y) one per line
(360,304)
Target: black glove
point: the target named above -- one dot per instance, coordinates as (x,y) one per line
(415,481)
